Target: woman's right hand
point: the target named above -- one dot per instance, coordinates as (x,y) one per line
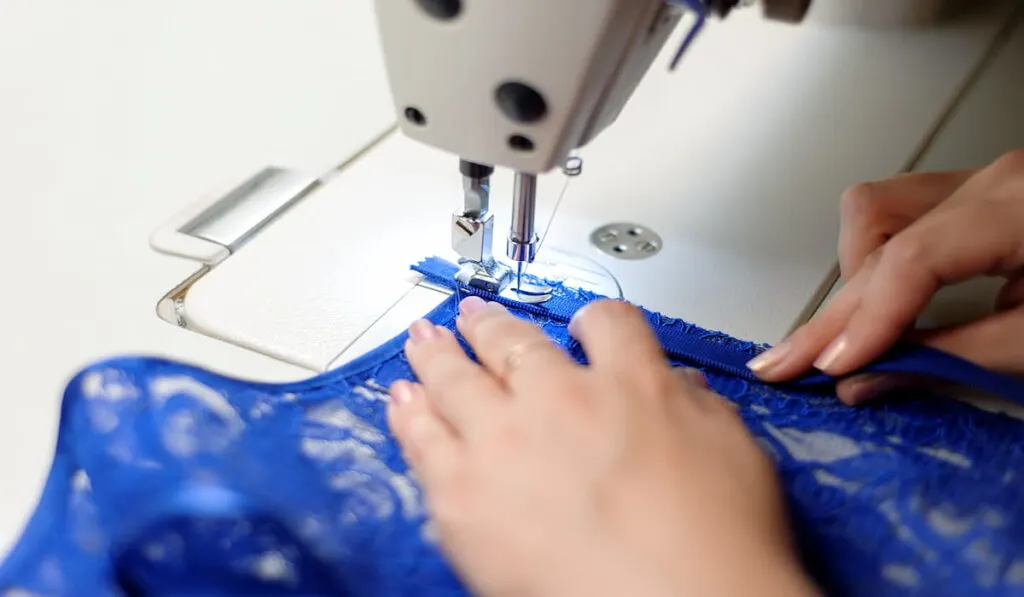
(901,240)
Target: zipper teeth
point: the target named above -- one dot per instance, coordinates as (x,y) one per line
(721,357)
(450,284)
(558,315)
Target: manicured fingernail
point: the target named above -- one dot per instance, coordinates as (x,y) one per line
(830,355)
(471,306)
(769,359)
(422,331)
(401,392)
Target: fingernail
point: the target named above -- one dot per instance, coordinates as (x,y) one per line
(830,355)
(769,359)
(422,331)
(472,305)
(401,392)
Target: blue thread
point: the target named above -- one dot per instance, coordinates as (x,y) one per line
(920,497)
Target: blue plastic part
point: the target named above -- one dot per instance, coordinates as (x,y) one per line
(700,12)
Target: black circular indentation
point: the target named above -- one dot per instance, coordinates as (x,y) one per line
(520,143)
(414,116)
(520,102)
(441,9)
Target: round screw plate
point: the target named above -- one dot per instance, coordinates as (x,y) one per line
(626,241)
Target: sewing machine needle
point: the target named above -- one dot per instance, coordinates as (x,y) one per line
(519,277)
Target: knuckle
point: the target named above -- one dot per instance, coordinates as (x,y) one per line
(508,436)
(493,323)
(576,392)
(420,429)
(607,310)
(862,198)
(430,354)
(904,251)
(525,361)
(433,364)
(1010,162)
(658,383)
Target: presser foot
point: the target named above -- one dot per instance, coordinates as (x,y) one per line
(498,278)
(526,292)
(490,277)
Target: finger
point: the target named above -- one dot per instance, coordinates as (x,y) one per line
(1011,295)
(696,390)
(873,212)
(515,351)
(995,342)
(462,391)
(617,338)
(953,246)
(430,446)
(796,354)
(867,387)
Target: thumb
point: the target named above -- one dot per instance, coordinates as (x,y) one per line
(866,387)
(1011,295)
(995,342)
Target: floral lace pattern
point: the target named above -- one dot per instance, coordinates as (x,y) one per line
(171,480)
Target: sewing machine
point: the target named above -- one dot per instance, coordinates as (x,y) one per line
(279,123)
(523,85)
(677,206)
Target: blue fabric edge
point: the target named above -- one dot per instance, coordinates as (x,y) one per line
(692,344)
(699,350)
(58,482)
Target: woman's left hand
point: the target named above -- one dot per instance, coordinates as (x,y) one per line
(902,240)
(625,477)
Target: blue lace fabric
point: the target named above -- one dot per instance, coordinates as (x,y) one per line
(171,480)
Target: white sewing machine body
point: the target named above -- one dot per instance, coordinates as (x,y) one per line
(735,161)
(738,186)
(563,60)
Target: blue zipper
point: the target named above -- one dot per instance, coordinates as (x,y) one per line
(693,346)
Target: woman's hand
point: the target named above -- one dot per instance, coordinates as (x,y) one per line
(901,241)
(625,477)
